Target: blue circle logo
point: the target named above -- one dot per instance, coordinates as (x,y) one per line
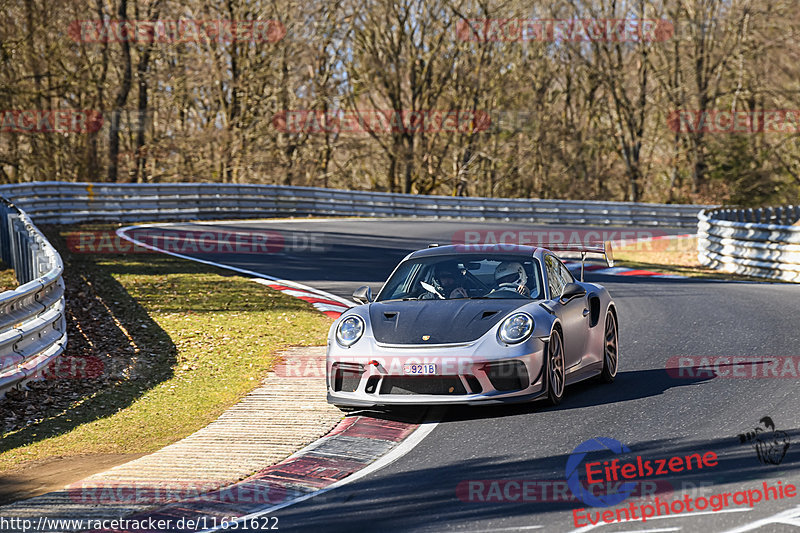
(597,444)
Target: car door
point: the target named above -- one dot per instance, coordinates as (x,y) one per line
(574,313)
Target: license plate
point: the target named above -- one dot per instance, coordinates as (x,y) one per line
(422,369)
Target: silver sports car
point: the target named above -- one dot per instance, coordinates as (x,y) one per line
(474,324)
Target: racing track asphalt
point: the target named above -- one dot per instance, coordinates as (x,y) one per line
(655,415)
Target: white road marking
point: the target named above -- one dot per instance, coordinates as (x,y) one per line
(328,307)
(299,294)
(521,528)
(657,530)
(122,233)
(612,271)
(790,517)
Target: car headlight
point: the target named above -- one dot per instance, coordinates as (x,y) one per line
(350,330)
(516,328)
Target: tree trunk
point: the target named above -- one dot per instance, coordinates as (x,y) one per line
(122,96)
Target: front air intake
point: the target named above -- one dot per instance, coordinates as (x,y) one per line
(507,375)
(474,384)
(444,385)
(346,377)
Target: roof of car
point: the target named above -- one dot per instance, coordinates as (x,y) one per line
(476,248)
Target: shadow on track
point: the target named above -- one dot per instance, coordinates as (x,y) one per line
(419,499)
(629,385)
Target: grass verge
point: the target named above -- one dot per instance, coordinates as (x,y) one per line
(159,347)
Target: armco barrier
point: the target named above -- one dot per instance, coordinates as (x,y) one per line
(63,202)
(754,242)
(32,324)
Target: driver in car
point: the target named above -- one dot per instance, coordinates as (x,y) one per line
(449,278)
(510,275)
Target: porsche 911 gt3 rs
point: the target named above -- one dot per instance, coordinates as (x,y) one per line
(474,324)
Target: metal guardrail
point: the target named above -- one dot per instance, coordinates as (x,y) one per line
(62,202)
(754,242)
(32,324)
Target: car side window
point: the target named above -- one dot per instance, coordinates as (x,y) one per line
(551,266)
(534,284)
(566,275)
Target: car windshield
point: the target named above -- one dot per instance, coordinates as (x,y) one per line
(449,277)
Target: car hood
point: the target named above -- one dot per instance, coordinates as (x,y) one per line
(444,321)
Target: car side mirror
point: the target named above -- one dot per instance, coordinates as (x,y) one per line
(363,295)
(572,290)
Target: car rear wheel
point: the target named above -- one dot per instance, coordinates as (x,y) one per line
(610,349)
(555,368)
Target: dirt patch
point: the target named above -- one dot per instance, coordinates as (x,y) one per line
(48,475)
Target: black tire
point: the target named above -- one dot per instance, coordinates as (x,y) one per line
(610,349)
(556,377)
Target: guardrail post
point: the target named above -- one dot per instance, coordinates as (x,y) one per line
(778,213)
(5,237)
(15,245)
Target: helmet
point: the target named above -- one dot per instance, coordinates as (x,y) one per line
(447,270)
(511,273)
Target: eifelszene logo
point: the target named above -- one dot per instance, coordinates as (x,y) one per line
(617,479)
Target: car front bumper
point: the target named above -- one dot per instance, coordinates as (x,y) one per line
(373,374)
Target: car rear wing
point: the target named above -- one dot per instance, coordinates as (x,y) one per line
(602,248)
